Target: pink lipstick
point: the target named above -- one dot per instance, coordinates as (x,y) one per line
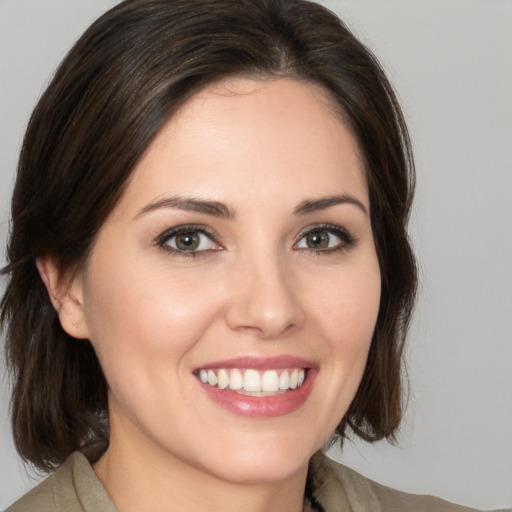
(258,387)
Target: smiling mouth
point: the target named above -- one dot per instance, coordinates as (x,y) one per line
(252,382)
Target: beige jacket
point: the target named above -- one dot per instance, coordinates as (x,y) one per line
(74,487)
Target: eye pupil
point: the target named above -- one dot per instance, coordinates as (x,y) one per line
(317,240)
(187,241)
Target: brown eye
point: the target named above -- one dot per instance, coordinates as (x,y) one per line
(317,240)
(325,239)
(187,241)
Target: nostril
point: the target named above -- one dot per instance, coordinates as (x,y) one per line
(262,302)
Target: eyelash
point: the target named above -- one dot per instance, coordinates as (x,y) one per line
(163,240)
(347,239)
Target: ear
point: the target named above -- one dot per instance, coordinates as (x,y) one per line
(66,295)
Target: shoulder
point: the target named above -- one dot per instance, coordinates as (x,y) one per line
(42,497)
(335,483)
(39,499)
(72,488)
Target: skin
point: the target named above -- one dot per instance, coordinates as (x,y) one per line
(154,316)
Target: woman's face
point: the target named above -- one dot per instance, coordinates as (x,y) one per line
(239,262)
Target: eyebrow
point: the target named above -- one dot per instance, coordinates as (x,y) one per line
(218,209)
(313,205)
(214,208)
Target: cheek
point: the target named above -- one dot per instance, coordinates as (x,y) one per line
(343,313)
(141,322)
(348,307)
(346,317)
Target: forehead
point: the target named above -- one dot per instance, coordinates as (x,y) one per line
(252,100)
(238,90)
(259,135)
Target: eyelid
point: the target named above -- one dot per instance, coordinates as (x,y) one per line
(346,237)
(162,239)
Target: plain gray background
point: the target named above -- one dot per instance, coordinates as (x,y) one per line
(450,61)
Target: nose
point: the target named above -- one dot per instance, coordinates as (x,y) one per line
(264,299)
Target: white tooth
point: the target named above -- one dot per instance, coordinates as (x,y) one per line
(252,380)
(300,378)
(203,376)
(212,378)
(270,381)
(284,380)
(236,380)
(257,393)
(223,378)
(293,379)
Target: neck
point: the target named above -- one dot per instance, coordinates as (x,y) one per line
(146,478)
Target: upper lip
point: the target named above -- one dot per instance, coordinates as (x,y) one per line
(260,363)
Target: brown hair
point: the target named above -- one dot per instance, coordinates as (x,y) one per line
(112,93)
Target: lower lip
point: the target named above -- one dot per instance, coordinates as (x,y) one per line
(264,406)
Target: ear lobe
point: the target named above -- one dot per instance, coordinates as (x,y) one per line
(65,294)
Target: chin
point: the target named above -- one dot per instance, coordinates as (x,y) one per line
(264,461)
(264,470)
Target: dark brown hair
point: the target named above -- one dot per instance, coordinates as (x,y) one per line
(112,93)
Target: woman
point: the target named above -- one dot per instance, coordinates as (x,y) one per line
(209,272)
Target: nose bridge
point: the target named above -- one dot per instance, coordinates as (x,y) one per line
(264,298)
